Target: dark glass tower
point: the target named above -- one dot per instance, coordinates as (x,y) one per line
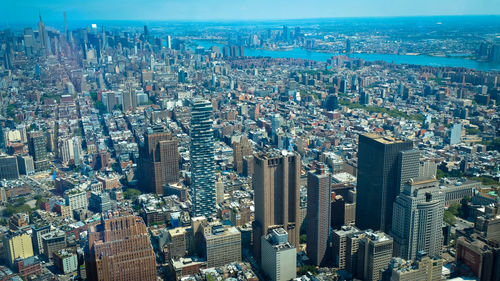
(378,185)
(202,159)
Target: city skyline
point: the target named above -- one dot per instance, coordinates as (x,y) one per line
(156,10)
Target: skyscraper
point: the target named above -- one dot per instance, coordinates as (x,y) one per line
(202,159)
(377,185)
(119,249)
(417,219)
(318,214)
(129,98)
(160,160)
(43,37)
(276,183)
(38,149)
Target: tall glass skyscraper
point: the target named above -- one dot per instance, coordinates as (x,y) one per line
(202,159)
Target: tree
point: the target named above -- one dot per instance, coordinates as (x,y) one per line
(449,218)
(303,238)
(131,194)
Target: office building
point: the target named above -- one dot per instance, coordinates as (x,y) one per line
(276,183)
(408,166)
(455,135)
(279,257)
(424,268)
(339,245)
(37,230)
(377,182)
(52,242)
(100,202)
(8,167)
(76,199)
(241,148)
(119,248)
(318,214)
(65,261)
(332,102)
(160,160)
(38,149)
(129,98)
(17,245)
(417,220)
(25,164)
(202,160)
(478,256)
(489,223)
(222,244)
(374,255)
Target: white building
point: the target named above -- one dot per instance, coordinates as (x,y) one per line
(417,219)
(76,199)
(279,257)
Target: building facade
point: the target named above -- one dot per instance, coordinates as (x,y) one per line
(202,160)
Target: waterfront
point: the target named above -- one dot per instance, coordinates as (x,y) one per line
(298,53)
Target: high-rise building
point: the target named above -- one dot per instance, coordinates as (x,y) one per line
(222,244)
(318,214)
(129,98)
(119,248)
(37,230)
(38,149)
(417,219)
(339,243)
(241,148)
(377,184)
(76,199)
(52,242)
(408,166)
(160,160)
(25,164)
(455,134)
(8,167)
(219,188)
(276,183)
(17,245)
(374,255)
(332,102)
(202,159)
(43,37)
(279,257)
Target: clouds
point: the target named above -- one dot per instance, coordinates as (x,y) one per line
(27,10)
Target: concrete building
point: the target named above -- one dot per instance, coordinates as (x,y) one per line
(423,269)
(318,213)
(241,148)
(339,245)
(276,182)
(76,199)
(417,220)
(119,248)
(65,261)
(53,242)
(160,160)
(278,256)
(222,244)
(374,255)
(17,245)
(177,244)
(100,202)
(8,167)
(37,230)
(25,164)
(478,255)
(377,183)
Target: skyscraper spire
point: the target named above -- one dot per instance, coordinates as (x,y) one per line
(40,14)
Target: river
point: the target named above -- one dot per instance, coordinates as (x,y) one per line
(298,53)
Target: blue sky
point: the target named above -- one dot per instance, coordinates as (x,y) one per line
(27,10)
